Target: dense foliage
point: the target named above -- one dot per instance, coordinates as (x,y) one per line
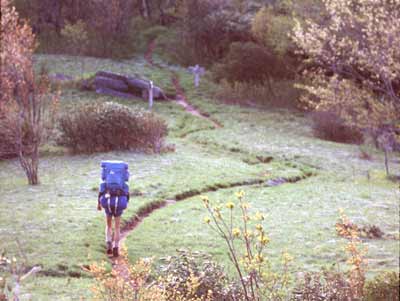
(385,286)
(355,61)
(199,269)
(110,126)
(242,63)
(354,66)
(329,126)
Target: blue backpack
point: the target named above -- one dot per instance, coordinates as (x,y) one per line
(114,191)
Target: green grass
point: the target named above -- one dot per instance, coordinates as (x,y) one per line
(300,218)
(58,227)
(53,288)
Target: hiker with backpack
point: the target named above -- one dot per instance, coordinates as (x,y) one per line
(113,198)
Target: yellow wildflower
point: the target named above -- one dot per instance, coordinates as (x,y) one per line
(259,216)
(259,258)
(205,200)
(236,232)
(248,234)
(230,205)
(263,239)
(240,194)
(286,257)
(259,227)
(207,220)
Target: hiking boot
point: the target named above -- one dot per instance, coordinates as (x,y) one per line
(109,248)
(115,252)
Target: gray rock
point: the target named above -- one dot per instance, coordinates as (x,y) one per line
(110,83)
(126,84)
(111,75)
(137,84)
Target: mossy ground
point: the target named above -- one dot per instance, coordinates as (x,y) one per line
(56,224)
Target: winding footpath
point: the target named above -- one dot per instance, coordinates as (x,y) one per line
(181,98)
(121,264)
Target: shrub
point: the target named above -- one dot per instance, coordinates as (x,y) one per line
(271,28)
(246,243)
(328,126)
(207,29)
(385,286)
(110,126)
(131,284)
(193,275)
(246,62)
(327,285)
(276,93)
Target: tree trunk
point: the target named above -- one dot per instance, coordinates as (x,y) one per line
(146,11)
(387,162)
(30,166)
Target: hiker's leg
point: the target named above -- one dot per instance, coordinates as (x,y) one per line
(108,229)
(117,221)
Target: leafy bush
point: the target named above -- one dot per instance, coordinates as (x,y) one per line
(328,126)
(385,286)
(271,27)
(195,275)
(110,126)
(207,29)
(249,62)
(327,285)
(276,93)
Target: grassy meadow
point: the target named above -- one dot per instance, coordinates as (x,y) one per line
(56,224)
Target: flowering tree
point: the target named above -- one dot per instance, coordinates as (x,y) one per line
(355,57)
(23,99)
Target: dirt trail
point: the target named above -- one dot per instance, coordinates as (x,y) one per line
(121,264)
(181,98)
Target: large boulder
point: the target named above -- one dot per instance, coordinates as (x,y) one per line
(142,86)
(137,85)
(110,83)
(125,86)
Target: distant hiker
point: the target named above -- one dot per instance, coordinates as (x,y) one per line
(114,198)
